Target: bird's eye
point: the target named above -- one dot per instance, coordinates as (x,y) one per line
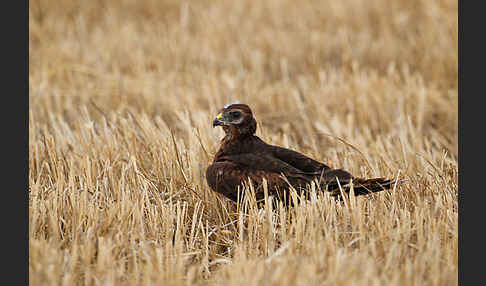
(235,114)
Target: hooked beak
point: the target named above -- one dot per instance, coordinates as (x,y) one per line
(218,120)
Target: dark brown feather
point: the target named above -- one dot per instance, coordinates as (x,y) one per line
(244,157)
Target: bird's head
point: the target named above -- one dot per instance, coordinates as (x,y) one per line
(236,119)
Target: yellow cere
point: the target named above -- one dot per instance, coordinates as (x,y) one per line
(219,116)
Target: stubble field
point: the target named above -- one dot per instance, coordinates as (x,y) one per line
(122,95)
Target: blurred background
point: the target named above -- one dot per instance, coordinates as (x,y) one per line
(281,57)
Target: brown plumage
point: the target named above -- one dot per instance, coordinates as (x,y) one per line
(243,156)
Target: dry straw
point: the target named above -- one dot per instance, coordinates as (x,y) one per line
(122,96)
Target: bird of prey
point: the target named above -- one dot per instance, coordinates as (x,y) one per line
(243,158)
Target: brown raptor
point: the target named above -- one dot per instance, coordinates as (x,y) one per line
(243,156)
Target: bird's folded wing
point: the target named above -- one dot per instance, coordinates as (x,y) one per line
(296,159)
(264,162)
